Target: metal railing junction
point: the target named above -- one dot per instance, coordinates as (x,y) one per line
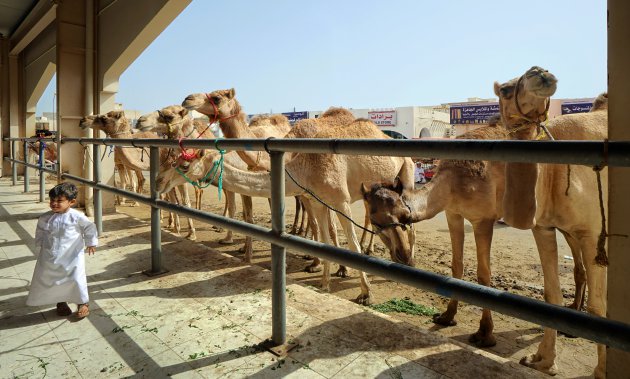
(591,153)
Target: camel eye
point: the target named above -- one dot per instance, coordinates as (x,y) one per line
(215,100)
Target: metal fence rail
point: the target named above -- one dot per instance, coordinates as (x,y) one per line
(598,329)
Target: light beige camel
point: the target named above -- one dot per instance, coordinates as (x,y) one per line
(222,105)
(335,179)
(115,125)
(175,122)
(463,189)
(546,197)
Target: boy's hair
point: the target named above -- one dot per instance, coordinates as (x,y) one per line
(68,190)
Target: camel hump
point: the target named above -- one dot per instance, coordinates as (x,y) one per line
(266,120)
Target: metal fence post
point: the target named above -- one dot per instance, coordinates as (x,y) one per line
(278,253)
(26,178)
(97,197)
(156,237)
(13,164)
(42,176)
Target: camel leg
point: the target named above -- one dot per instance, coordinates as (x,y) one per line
(483,240)
(175,200)
(303,230)
(230,207)
(298,208)
(456,230)
(122,174)
(229,197)
(315,227)
(596,279)
(248,216)
(183,190)
(135,183)
(342,272)
(544,359)
(365,298)
(369,249)
(141,181)
(579,272)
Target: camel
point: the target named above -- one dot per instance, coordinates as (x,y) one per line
(222,105)
(546,197)
(335,179)
(50,150)
(464,189)
(175,122)
(115,125)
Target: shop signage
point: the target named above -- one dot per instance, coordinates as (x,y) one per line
(295,116)
(383,118)
(473,114)
(581,107)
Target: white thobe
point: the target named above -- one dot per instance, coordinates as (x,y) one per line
(60,269)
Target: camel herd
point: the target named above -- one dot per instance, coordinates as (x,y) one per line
(540,197)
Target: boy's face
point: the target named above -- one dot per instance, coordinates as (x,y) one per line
(61,204)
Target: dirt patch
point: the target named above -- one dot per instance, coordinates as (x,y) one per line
(515,268)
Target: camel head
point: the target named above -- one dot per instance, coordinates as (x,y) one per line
(168,120)
(111,123)
(391,217)
(600,102)
(170,177)
(220,104)
(526,98)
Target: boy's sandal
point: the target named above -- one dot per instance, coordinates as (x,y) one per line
(63,309)
(83,310)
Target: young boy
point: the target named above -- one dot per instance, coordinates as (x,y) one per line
(61,235)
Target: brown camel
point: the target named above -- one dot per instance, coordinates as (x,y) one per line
(335,179)
(115,125)
(546,197)
(464,189)
(175,122)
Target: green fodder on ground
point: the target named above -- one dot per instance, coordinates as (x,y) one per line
(404,306)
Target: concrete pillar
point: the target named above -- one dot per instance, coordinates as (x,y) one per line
(15,106)
(5,147)
(619,178)
(71,84)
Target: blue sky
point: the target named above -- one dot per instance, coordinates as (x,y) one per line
(310,55)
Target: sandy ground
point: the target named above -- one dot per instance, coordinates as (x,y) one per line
(515,265)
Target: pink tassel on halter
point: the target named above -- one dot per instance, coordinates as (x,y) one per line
(184,154)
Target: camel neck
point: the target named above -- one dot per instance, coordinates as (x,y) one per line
(424,202)
(236,127)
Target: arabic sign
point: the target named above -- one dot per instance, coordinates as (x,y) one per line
(581,107)
(473,114)
(295,116)
(383,118)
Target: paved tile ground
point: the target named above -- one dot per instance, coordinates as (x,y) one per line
(204,318)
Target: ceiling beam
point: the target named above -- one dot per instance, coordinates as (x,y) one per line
(42,15)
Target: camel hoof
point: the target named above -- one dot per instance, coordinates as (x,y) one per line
(217,229)
(364,299)
(342,272)
(134,204)
(444,320)
(482,340)
(226,241)
(368,252)
(306,256)
(535,361)
(313,269)
(191,237)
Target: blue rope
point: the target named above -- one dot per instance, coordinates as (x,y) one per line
(42,149)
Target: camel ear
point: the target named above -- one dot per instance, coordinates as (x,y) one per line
(497,88)
(365,191)
(231,93)
(116,114)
